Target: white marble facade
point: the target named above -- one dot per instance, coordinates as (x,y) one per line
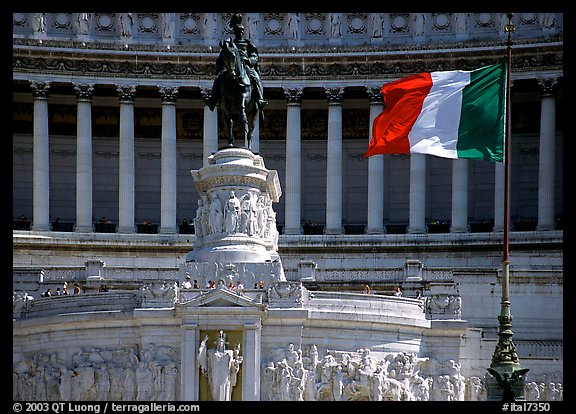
(145,339)
(293,344)
(326,364)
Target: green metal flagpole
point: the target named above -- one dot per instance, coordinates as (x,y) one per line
(507,382)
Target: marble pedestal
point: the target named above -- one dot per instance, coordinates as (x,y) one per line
(235,224)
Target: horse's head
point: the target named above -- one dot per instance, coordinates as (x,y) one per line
(233,62)
(228,56)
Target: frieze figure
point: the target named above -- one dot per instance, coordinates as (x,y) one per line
(232,213)
(126,23)
(215,214)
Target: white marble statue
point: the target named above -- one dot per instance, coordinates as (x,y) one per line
(221,366)
(232,213)
(215,214)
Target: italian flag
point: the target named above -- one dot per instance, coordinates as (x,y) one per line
(449,114)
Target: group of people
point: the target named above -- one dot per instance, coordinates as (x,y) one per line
(62,292)
(187,284)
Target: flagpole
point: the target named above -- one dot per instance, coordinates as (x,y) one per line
(507,382)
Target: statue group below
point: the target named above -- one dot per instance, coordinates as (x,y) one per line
(238,87)
(250,214)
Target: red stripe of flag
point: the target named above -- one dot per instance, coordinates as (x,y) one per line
(403,99)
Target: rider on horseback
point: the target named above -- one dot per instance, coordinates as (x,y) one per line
(249,55)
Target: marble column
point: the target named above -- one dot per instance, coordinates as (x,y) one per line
(546,165)
(334,162)
(417,214)
(210,131)
(84,158)
(189,372)
(168,162)
(375,171)
(293,196)
(126,166)
(41,160)
(459,196)
(251,344)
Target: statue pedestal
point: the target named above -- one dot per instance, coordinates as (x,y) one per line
(235,223)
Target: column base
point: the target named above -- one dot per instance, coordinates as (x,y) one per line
(167,230)
(459,230)
(84,229)
(545,227)
(292,232)
(416,230)
(126,230)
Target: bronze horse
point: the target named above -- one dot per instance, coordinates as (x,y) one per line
(237,100)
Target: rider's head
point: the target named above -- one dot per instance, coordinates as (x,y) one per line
(236,25)
(238,31)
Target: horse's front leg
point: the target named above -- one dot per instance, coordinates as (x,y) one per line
(247,134)
(244,121)
(252,119)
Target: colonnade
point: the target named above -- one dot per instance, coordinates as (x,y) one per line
(293,184)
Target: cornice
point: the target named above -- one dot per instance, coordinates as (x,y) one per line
(285,67)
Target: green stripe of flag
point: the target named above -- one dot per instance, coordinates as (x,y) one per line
(481,131)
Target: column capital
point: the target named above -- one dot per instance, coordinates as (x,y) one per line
(84,91)
(126,93)
(547,86)
(168,94)
(293,96)
(335,95)
(374,95)
(40,89)
(206,94)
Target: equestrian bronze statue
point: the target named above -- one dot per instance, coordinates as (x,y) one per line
(237,88)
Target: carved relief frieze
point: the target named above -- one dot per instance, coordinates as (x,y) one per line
(315,24)
(105,22)
(130,373)
(399,23)
(19,19)
(309,374)
(62,21)
(189,24)
(356,23)
(274,24)
(442,22)
(148,23)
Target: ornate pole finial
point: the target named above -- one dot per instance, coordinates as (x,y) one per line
(509,28)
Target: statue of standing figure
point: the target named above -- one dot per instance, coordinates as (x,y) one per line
(221,366)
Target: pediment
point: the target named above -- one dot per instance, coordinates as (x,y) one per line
(224,297)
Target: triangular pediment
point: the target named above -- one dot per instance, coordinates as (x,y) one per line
(224,297)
